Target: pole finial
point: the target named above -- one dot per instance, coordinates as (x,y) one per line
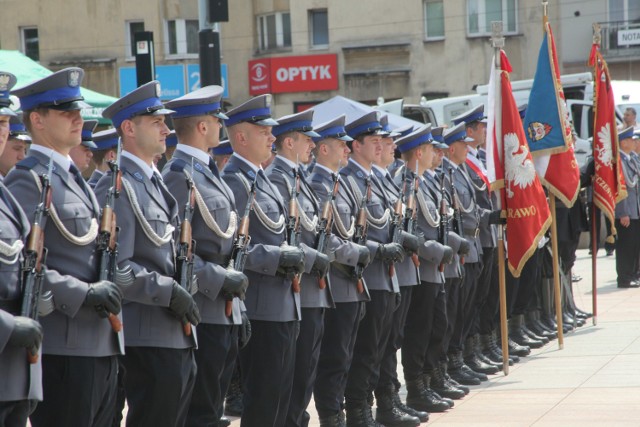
(545,7)
(497,39)
(597,33)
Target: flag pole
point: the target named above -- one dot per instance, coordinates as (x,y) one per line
(556,270)
(597,37)
(497,41)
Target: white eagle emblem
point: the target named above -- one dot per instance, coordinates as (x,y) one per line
(73,78)
(603,148)
(518,167)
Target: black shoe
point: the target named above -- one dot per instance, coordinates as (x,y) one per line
(440,385)
(359,415)
(389,415)
(224,422)
(609,252)
(632,284)
(421,415)
(335,420)
(535,336)
(585,313)
(420,399)
(517,349)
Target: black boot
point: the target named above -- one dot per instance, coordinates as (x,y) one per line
(534,325)
(431,392)
(419,398)
(456,372)
(442,387)
(517,334)
(233,405)
(389,415)
(517,349)
(224,422)
(467,370)
(451,381)
(492,351)
(335,420)
(359,415)
(423,416)
(472,360)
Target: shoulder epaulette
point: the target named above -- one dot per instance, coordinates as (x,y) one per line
(178,165)
(27,163)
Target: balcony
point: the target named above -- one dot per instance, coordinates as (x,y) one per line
(620,39)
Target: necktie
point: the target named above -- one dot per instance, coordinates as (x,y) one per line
(214,168)
(155,180)
(78,178)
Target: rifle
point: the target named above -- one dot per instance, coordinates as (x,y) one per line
(397,218)
(35,256)
(241,245)
(107,241)
(443,227)
(456,210)
(293,224)
(360,233)
(186,247)
(323,229)
(410,212)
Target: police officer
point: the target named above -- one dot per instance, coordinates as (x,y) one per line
(293,147)
(197,121)
(383,286)
(16,146)
(340,323)
(79,342)
(267,362)
(476,129)
(106,142)
(22,386)
(159,361)
(82,154)
(221,154)
(627,216)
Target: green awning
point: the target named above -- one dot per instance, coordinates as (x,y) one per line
(27,71)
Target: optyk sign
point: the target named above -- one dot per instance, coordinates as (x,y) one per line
(293,74)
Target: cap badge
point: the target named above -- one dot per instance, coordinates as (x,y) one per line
(158,90)
(74,78)
(4,82)
(267,101)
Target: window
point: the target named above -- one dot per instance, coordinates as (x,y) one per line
(480,14)
(319,28)
(182,37)
(434,19)
(132,27)
(30,42)
(274,31)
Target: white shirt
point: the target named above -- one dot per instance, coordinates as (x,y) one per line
(58,158)
(251,165)
(194,152)
(287,161)
(147,169)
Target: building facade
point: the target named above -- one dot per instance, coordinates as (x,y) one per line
(306,51)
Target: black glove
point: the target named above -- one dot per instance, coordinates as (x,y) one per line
(364,256)
(447,256)
(183,306)
(410,242)
(320,265)
(390,252)
(235,284)
(104,295)
(495,218)
(465,247)
(244,332)
(26,333)
(291,256)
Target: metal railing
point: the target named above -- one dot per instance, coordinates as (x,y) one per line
(620,38)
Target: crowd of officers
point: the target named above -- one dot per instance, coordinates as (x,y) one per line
(315,255)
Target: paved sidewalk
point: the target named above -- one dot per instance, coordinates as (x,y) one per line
(593,381)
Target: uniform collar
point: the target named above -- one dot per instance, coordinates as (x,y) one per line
(251,165)
(318,165)
(194,152)
(58,158)
(366,172)
(147,169)
(286,161)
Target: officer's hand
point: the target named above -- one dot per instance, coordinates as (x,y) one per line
(104,295)
(390,252)
(625,221)
(320,265)
(465,247)
(235,284)
(364,255)
(410,242)
(244,334)
(26,333)
(496,218)
(183,306)
(447,256)
(291,256)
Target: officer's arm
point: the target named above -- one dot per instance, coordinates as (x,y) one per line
(6,327)
(68,292)
(431,251)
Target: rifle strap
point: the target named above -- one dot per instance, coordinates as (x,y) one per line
(426,212)
(271,225)
(307,224)
(374,222)
(10,253)
(144,224)
(342,230)
(210,221)
(92,233)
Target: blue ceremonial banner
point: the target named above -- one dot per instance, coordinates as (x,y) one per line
(546,122)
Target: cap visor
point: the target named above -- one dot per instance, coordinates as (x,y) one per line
(441,145)
(70,106)
(393,134)
(221,116)
(467,139)
(4,111)
(311,133)
(346,138)
(162,112)
(266,122)
(89,144)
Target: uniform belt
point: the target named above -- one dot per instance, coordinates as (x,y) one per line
(473,232)
(222,260)
(10,306)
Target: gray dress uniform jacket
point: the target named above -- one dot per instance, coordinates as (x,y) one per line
(344,251)
(488,234)
(281,175)
(212,251)
(270,297)
(376,273)
(453,270)
(631,205)
(20,380)
(94,178)
(72,329)
(147,319)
